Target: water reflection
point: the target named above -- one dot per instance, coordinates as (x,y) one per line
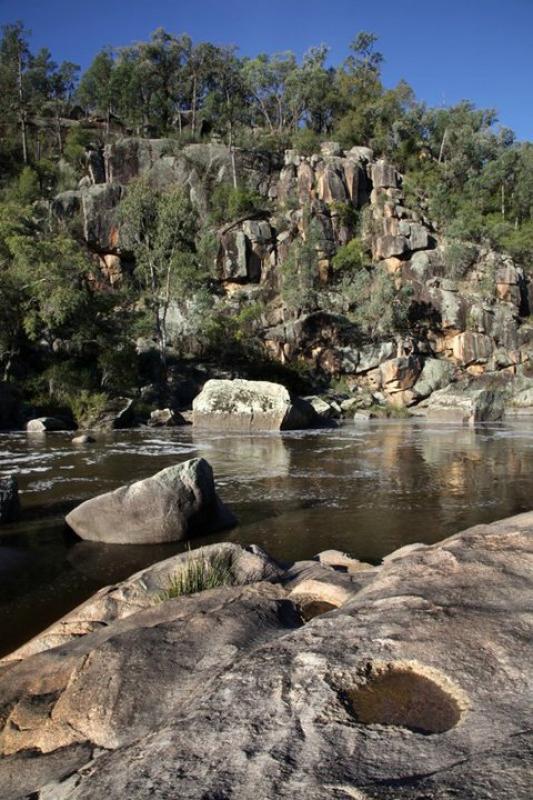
(364,489)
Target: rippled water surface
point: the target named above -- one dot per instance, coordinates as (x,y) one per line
(365,489)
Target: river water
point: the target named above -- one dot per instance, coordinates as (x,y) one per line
(364,488)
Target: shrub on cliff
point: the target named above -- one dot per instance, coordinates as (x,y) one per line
(377,306)
(350,257)
(228,203)
(299,271)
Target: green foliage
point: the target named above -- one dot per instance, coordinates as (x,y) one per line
(86,406)
(233,334)
(200,573)
(518,241)
(306,141)
(299,271)
(458,258)
(350,257)
(51,270)
(160,230)
(348,215)
(28,187)
(118,366)
(67,387)
(228,203)
(77,141)
(206,250)
(378,306)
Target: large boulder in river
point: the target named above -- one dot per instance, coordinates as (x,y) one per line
(174,504)
(241,405)
(418,687)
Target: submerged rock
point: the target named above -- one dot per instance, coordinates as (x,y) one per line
(418,687)
(83,438)
(174,504)
(250,406)
(9,499)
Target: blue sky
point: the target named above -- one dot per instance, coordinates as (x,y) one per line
(447,50)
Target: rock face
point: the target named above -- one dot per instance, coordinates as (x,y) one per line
(250,406)
(417,687)
(174,504)
(467,306)
(9,499)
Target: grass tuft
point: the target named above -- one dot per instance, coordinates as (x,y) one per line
(199,573)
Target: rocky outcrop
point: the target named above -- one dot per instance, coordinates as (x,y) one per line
(174,504)
(467,305)
(250,406)
(9,499)
(100,225)
(425,663)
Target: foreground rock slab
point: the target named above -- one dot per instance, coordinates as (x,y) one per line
(174,504)
(240,405)
(416,688)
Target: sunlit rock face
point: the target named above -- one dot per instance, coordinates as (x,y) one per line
(250,406)
(465,305)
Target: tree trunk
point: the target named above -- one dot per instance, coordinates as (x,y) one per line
(22,113)
(193,106)
(265,113)
(441,151)
(58,133)
(503,201)
(159,328)
(230,143)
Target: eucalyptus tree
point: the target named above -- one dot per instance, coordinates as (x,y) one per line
(96,90)
(15,58)
(159,230)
